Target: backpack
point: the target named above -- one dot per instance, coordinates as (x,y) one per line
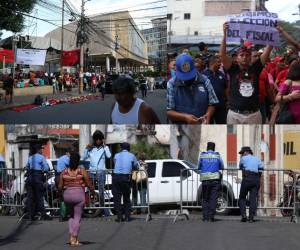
(38,100)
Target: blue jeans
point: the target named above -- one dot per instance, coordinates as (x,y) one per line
(100,178)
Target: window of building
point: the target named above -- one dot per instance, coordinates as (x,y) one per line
(169,16)
(187,16)
(196,33)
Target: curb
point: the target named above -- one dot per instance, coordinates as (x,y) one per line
(6,107)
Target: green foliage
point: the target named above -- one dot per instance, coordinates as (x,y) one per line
(11,20)
(152,151)
(294,30)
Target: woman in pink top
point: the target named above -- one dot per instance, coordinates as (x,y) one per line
(290,91)
(73,181)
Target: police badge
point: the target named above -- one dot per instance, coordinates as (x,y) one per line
(186,67)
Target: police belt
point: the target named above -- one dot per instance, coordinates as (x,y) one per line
(247,173)
(33,171)
(127,175)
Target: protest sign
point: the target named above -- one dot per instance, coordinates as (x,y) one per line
(31,56)
(258,27)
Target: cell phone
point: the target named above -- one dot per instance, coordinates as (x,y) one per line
(201,119)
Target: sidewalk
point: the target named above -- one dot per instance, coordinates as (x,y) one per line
(27,100)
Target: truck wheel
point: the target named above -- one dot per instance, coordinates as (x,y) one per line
(222,203)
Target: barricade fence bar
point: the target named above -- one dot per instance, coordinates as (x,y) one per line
(278,194)
(14,186)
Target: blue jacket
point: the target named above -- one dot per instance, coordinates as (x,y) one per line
(210,163)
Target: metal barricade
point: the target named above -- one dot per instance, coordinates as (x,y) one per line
(13,193)
(279,193)
(103,184)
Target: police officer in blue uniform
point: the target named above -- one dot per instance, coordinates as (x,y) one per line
(210,164)
(36,167)
(62,163)
(251,167)
(124,162)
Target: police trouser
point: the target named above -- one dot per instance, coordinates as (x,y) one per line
(121,185)
(250,184)
(35,194)
(57,177)
(210,190)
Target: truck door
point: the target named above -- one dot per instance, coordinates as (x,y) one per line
(170,181)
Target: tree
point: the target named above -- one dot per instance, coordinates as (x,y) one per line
(152,151)
(12,18)
(294,30)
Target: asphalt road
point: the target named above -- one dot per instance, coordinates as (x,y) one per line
(158,234)
(94,111)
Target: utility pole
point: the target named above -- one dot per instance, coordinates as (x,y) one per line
(62,39)
(14,45)
(81,37)
(117,46)
(84,137)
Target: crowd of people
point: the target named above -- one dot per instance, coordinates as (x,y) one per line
(244,87)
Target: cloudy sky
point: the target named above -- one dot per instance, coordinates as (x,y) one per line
(139,9)
(285,9)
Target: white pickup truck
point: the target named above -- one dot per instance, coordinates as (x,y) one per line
(164,185)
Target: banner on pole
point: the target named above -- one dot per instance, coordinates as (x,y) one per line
(6,54)
(71,58)
(31,56)
(259,27)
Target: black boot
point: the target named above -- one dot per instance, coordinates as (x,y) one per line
(244,219)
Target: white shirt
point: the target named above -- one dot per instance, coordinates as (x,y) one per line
(131,117)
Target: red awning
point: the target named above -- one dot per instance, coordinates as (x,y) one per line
(8,54)
(71,58)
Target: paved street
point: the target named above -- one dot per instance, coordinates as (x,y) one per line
(158,234)
(94,111)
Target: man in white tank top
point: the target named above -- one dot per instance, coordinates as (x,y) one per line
(128,109)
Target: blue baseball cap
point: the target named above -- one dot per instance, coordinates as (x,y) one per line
(185,67)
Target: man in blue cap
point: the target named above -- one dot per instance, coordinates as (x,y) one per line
(252,168)
(190,95)
(210,164)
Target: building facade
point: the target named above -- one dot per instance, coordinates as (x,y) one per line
(104,32)
(156,38)
(193,21)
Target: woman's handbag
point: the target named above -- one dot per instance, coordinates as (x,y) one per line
(141,175)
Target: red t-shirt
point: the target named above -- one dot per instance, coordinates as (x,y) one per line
(263,81)
(282,77)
